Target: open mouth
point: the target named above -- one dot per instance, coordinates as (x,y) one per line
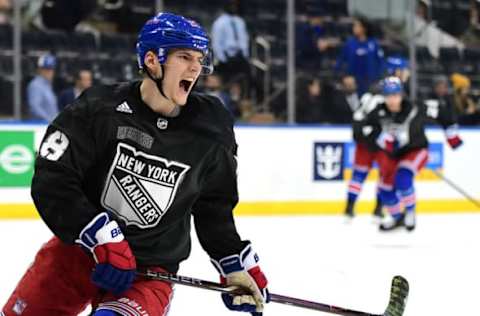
(185,84)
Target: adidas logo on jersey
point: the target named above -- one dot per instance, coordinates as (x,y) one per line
(124,108)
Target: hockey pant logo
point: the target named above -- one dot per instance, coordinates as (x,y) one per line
(140,187)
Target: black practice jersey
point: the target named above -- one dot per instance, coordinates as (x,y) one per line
(407,126)
(108,151)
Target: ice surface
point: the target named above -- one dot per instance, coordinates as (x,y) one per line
(319,258)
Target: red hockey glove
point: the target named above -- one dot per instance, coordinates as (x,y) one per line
(243,270)
(455,142)
(115,268)
(387,142)
(453,138)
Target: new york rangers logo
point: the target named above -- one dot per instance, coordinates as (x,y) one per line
(328,161)
(140,187)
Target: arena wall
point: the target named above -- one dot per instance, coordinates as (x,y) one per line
(282,170)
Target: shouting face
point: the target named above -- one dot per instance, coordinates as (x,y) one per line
(182,68)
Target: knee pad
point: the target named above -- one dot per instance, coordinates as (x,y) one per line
(105,312)
(403,179)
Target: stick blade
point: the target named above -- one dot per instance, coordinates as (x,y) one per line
(398,297)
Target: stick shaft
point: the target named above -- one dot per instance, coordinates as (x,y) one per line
(457,188)
(316,306)
(281,299)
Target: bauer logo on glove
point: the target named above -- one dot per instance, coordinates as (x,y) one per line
(243,271)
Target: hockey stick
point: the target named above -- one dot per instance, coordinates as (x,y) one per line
(457,188)
(396,304)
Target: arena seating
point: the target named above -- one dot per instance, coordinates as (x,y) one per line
(111,56)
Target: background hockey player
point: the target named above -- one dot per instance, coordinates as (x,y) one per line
(397,128)
(119,174)
(364,153)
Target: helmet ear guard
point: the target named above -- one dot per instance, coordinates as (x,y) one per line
(207,63)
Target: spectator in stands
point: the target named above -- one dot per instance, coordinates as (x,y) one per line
(83,80)
(361,56)
(471,37)
(440,97)
(31,13)
(461,88)
(423,10)
(441,89)
(311,40)
(426,32)
(5,11)
(42,101)
(465,107)
(344,102)
(309,102)
(213,85)
(230,43)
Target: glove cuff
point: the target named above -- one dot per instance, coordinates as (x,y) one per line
(99,231)
(246,260)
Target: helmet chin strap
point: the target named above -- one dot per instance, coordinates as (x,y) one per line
(158,81)
(159,84)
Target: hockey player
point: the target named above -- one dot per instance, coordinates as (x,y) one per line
(397,128)
(119,174)
(364,157)
(365,154)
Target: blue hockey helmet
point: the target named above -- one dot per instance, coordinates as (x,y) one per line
(46,61)
(391,85)
(166,31)
(394,63)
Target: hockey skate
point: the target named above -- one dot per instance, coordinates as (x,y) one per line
(349,210)
(390,223)
(409,220)
(377,212)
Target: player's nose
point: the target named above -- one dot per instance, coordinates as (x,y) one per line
(195,67)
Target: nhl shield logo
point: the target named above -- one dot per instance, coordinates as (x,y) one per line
(328,161)
(140,187)
(162,123)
